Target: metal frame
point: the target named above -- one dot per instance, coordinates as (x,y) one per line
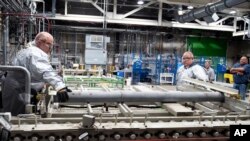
(117,18)
(241,32)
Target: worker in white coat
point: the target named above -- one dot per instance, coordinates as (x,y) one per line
(210,71)
(36,59)
(190,69)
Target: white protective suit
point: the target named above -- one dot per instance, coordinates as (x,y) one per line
(210,74)
(37,63)
(194,71)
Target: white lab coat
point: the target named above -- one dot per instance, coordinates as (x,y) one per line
(210,73)
(37,63)
(195,71)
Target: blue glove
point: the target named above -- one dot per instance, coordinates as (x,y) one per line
(62,95)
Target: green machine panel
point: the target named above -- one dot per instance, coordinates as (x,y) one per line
(204,46)
(213,49)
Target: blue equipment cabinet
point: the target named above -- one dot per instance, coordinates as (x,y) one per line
(136,72)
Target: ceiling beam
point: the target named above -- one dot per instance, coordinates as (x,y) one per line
(97,7)
(180,3)
(142,22)
(160,14)
(137,9)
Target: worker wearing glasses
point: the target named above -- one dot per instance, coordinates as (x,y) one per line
(189,69)
(35,57)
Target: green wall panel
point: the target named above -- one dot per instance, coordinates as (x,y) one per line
(203,46)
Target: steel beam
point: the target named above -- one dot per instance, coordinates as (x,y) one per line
(132,21)
(208,10)
(137,9)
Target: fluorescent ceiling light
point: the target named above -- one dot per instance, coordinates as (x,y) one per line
(232,12)
(140,2)
(190,7)
(180,12)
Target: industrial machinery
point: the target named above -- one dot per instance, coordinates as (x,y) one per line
(5,126)
(139,112)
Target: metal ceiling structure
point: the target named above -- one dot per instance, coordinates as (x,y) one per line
(208,10)
(154,13)
(21,19)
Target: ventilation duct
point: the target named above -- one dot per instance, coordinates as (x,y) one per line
(208,10)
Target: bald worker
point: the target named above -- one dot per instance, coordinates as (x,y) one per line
(35,57)
(241,72)
(190,69)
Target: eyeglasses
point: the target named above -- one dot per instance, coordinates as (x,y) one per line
(50,45)
(187,58)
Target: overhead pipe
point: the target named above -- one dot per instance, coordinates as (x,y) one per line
(23,5)
(13,5)
(27,79)
(208,10)
(176,44)
(4,5)
(128,96)
(10,4)
(43,17)
(5,39)
(53,8)
(17,5)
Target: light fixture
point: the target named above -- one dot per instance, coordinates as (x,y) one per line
(215,17)
(140,2)
(232,12)
(212,18)
(180,11)
(190,7)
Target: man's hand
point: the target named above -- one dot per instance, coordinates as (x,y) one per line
(62,94)
(237,70)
